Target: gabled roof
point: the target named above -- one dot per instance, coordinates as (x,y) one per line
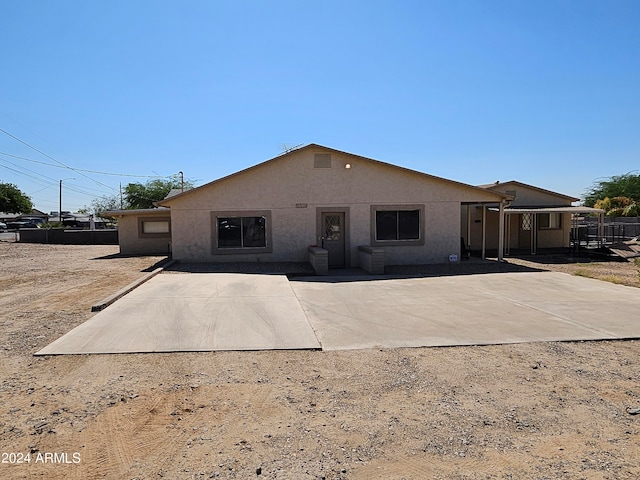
(173,192)
(167,201)
(34,213)
(492,186)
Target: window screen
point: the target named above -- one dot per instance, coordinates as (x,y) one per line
(550,220)
(242,232)
(155,227)
(397,225)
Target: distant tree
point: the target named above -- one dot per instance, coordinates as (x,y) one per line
(619,206)
(138,195)
(632,210)
(627,185)
(106,203)
(12,200)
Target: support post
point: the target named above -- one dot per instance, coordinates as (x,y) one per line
(469,227)
(484,231)
(501,233)
(534,233)
(507,219)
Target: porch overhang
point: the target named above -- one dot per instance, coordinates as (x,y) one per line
(575,212)
(567,209)
(489,205)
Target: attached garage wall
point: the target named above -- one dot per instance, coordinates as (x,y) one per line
(133,243)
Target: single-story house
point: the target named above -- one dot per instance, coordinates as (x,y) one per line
(306,201)
(14,217)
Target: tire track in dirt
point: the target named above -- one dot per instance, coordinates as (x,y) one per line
(132,434)
(155,431)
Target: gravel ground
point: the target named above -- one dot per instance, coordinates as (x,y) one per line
(620,272)
(543,410)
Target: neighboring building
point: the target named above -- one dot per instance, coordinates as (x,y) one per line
(84,221)
(73,220)
(273,212)
(534,219)
(14,217)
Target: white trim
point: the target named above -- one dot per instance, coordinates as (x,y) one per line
(567,209)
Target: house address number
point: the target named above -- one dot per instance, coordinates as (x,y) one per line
(301,205)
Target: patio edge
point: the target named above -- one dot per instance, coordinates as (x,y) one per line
(133,285)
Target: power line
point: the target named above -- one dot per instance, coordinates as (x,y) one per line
(32,173)
(51,158)
(34,178)
(62,165)
(84,170)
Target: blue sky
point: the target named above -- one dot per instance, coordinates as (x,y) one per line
(544,92)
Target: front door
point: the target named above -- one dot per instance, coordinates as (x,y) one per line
(526,224)
(333,237)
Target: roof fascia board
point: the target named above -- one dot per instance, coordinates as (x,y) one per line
(532,187)
(145,211)
(566,209)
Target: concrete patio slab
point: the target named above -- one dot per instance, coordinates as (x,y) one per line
(195,312)
(227,311)
(467,310)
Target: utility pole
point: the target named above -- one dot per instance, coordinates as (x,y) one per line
(60,204)
(181,180)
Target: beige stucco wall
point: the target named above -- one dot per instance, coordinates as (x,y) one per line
(531,197)
(132,244)
(292,189)
(554,238)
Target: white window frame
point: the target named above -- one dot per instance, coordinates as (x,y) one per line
(143,221)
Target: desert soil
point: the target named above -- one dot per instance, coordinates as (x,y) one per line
(526,411)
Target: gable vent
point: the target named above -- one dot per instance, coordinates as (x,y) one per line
(322,160)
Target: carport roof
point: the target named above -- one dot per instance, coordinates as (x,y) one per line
(567,209)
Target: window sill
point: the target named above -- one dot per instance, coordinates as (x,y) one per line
(241,251)
(397,243)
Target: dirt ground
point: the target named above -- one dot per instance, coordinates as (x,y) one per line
(526,411)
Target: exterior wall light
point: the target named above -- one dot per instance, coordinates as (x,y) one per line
(347,166)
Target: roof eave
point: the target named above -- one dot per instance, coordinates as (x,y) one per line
(123,213)
(491,186)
